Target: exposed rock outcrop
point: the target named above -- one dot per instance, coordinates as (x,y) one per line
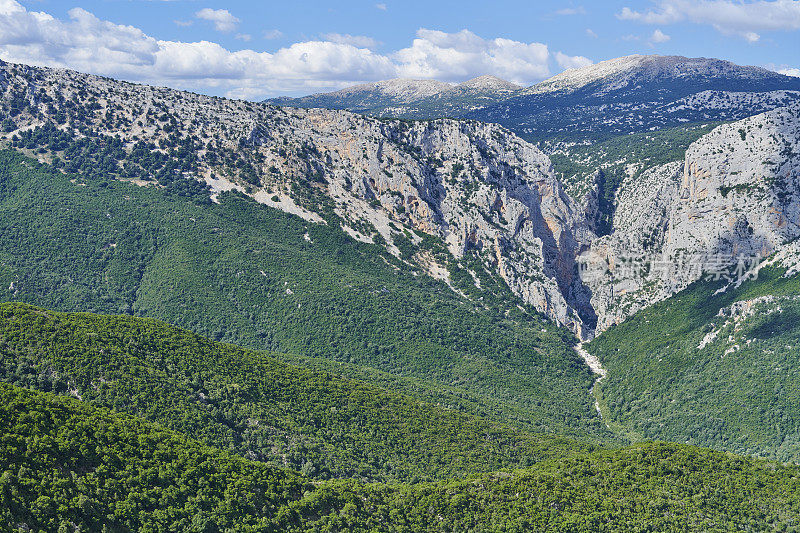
(479,188)
(486,194)
(732,201)
(474,185)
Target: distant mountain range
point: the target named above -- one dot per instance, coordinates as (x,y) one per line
(635,94)
(625,95)
(407,98)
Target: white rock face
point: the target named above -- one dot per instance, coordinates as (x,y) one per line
(476,186)
(787,257)
(734,200)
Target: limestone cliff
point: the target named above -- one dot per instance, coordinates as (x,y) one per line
(733,200)
(490,197)
(445,193)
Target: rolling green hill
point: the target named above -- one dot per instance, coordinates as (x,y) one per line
(249,274)
(649,487)
(252,404)
(69,466)
(738,391)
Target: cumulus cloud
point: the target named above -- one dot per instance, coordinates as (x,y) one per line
(86,43)
(359,41)
(784,69)
(329,61)
(222,18)
(462,55)
(566,61)
(272,34)
(745,19)
(83,42)
(659,36)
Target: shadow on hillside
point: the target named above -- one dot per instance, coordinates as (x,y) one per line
(777,324)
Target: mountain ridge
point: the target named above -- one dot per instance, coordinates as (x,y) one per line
(401,96)
(620,71)
(471,186)
(436,194)
(627,95)
(528,110)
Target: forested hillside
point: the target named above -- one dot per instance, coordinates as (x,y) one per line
(711,369)
(65,465)
(251,404)
(246,273)
(68,466)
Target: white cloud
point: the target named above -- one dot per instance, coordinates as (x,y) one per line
(784,69)
(83,42)
(329,61)
(659,37)
(462,55)
(751,36)
(222,18)
(273,34)
(183,23)
(591,33)
(86,43)
(571,11)
(359,41)
(667,15)
(382,7)
(246,37)
(729,17)
(565,61)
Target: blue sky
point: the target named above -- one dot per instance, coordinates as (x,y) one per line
(256,49)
